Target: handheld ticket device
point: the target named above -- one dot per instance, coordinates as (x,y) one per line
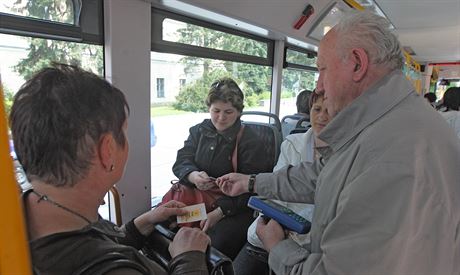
(285,216)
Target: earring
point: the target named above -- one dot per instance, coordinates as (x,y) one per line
(112,167)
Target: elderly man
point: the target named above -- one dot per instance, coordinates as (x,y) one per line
(387,189)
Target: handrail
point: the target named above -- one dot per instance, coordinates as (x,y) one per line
(117,204)
(274,119)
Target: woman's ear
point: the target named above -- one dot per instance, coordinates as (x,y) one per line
(105,152)
(361,60)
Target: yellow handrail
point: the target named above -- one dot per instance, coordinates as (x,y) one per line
(117,204)
(14,249)
(354,4)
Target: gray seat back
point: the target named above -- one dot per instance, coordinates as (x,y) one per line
(267,126)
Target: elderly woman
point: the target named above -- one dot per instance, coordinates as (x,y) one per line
(69,131)
(295,149)
(207,154)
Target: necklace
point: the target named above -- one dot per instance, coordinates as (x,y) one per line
(45,198)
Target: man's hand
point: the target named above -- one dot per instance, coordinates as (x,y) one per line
(233,184)
(213,217)
(189,239)
(270,233)
(201,180)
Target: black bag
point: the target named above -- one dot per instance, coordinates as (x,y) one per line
(157,245)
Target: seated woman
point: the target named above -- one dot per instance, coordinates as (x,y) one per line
(207,152)
(295,149)
(69,130)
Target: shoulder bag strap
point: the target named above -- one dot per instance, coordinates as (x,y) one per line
(235,151)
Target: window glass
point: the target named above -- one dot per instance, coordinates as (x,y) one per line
(21,57)
(300,58)
(293,82)
(186,84)
(186,33)
(51,10)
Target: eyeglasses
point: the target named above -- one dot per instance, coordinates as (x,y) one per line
(217,84)
(230,84)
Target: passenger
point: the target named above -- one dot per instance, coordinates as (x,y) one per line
(303,111)
(386,190)
(450,107)
(294,150)
(302,103)
(207,153)
(69,130)
(431,98)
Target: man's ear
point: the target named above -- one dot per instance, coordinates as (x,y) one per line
(105,151)
(360,58)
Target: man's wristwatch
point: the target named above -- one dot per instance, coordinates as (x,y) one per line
(252,180)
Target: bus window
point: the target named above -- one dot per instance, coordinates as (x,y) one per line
(180,82)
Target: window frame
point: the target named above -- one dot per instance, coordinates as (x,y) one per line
(163,46)
(89,29)
(291,65)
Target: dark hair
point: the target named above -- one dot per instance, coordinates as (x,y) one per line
(226,90)
(430,96)
(58,117)
(302,101)
(313,98)
(451,98)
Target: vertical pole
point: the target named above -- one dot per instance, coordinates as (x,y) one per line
(14,249)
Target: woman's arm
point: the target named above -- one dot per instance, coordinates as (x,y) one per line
(185,160)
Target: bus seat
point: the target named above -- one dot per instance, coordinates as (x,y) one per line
(268,127)
(291,122)
(301,126)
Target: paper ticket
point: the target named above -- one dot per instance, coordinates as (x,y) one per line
(196,212)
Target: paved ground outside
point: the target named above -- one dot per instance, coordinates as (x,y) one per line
(171,132)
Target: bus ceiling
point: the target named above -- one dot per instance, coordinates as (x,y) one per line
(429,29)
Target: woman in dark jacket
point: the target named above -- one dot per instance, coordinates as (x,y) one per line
(207,154)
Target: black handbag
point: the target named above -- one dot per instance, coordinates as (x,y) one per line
(156,248)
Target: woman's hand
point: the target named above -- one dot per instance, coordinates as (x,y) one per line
(201,180)
(213,217)
(189,239)
(145,222)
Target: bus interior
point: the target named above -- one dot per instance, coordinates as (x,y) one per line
(158,51)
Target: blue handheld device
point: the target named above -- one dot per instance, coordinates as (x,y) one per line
(285,216)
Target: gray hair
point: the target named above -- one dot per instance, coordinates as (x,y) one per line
(372,33)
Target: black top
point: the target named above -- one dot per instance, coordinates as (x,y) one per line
(103,246)
(208,150)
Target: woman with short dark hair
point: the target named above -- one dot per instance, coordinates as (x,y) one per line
(69,131)
(207,154)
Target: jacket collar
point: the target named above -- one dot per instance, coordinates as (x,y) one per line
(367,108)
(208,129)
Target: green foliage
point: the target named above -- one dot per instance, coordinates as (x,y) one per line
(43,52)
(252,79)
(8,99)
(53,10)
(296,80)
(192,97)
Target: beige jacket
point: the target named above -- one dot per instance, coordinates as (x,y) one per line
(388,198)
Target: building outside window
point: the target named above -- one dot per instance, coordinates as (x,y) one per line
(160,87)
